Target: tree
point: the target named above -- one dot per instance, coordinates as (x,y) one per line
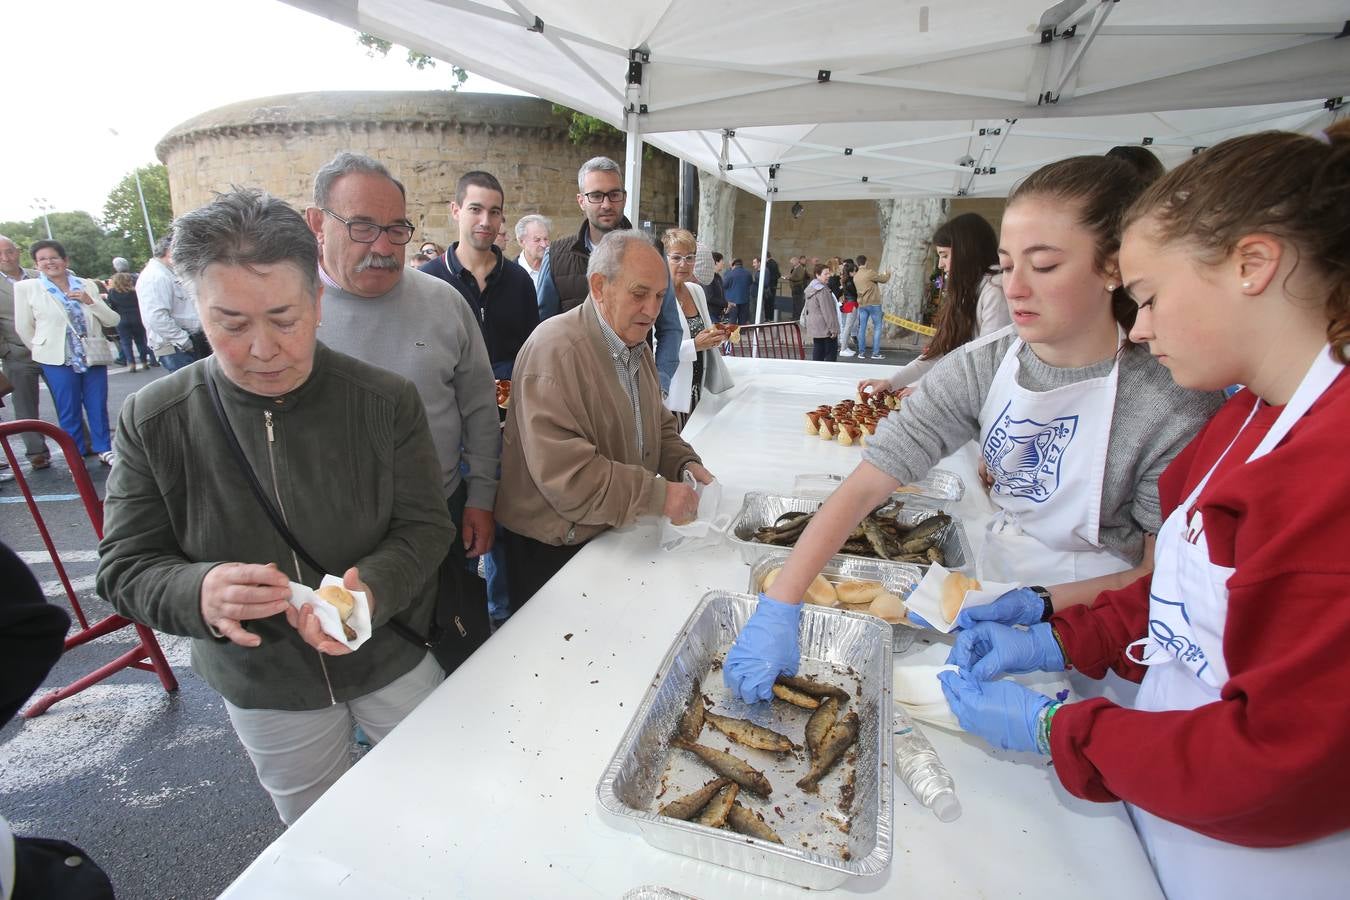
(122,217)
(78,232)
(584,129)
(378,45)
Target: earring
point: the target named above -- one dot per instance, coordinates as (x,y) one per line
(1110,287)
(1246,285)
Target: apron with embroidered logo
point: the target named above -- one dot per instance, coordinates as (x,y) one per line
(1046,452)
(1188,607)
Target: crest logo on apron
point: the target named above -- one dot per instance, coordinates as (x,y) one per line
(1024,455)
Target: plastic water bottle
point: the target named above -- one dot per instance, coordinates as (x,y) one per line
(917,764)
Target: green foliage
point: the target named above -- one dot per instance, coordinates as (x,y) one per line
(584,129)
(419,61)
(122,218)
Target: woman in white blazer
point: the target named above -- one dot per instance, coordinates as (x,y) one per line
(701,367)
(60,316)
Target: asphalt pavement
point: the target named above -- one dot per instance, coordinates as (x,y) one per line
(154,786)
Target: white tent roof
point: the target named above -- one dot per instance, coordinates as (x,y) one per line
(894,91)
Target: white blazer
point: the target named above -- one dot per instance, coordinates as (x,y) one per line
(682,382)
(41,321)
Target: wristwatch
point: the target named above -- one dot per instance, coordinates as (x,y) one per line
(1045,598)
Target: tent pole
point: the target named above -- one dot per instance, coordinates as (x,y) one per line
(764,250)
(632,162)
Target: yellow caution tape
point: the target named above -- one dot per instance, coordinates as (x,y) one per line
(912,326)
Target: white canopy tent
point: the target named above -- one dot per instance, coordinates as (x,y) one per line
(869,99)
(807,86)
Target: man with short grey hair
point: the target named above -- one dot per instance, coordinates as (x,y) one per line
(15,359)
(589,444)
(563,281)
(382,312)
(532,236)
(172,327)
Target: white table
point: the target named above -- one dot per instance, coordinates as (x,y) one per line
(488,788)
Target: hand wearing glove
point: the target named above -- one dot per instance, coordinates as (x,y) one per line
(1002,712)
(766,648)
(1020,606)
(988,649)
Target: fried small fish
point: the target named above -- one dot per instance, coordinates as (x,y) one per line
(796,698)
(715,813)
(687,807)
(840,737)
(812,688)
(735,768)
(750,734)
(691,723)
(749,822)
(819,725)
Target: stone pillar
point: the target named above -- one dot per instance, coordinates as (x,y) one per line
(907,225)
(716,213)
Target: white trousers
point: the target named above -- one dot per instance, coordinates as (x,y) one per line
(299,754)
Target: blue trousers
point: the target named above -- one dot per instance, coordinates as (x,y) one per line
(172,362)
(872,313)
(89,389)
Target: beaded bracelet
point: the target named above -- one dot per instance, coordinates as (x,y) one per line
(1043,726)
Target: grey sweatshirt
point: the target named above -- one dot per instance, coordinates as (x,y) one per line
(425,331)
(1153,420)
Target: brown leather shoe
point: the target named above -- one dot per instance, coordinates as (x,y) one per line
(41,461)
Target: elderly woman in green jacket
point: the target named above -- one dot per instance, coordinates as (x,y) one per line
(340,448)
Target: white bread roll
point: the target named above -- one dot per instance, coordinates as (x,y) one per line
(855,593)
(339,597)
(954,594)
(887,606)
(820,592)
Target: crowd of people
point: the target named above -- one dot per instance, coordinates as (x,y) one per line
(342,405)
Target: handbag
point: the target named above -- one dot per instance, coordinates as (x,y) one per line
(430,642)
(97,350)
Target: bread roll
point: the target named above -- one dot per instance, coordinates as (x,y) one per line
(954,594)
(858,592)
(820,592)
(887,606)
(339,597)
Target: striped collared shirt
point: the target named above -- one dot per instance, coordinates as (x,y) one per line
(627,363)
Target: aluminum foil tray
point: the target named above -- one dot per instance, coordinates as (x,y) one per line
(849,649)
(898,578)
(760,509)
(939,489)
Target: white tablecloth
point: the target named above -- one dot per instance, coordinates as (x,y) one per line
(488,788)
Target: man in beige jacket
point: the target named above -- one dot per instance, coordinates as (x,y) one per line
(589,445)
(866,280)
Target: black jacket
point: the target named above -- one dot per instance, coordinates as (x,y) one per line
(507,311)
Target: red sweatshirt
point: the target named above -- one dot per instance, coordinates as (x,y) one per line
(1269,764)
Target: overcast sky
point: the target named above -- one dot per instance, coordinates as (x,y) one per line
(78,68)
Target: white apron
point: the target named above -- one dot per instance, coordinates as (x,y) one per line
(1046,452)
(1188,608)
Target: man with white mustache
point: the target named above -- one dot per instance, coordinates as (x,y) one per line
(383,313)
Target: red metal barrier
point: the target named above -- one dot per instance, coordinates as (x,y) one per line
(771,340)
(147,655)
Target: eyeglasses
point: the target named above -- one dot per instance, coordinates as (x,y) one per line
(597,197)
(677,259)
(368,232)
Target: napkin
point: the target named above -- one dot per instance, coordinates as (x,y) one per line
(329,620)
(926,600)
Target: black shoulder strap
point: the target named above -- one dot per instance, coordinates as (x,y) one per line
(274,515)
(277,522)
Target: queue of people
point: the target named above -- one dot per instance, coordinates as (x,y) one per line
(347,412)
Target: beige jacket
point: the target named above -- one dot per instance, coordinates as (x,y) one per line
(570,464)
(866,280)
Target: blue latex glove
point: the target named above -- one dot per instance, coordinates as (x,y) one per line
(766,648)
(919,620)
(1020,606)
(1002,712)
(988,649)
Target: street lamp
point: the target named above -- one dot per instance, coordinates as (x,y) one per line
(43,206)
(136,173)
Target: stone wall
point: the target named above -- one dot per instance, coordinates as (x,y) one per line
(429,138)
(426,138)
